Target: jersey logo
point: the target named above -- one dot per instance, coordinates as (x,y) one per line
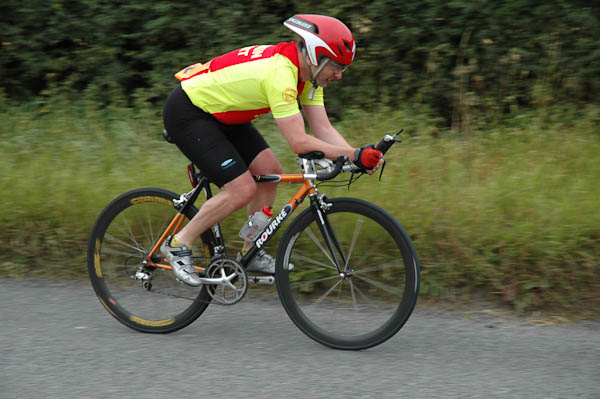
(289,95)
(257,51)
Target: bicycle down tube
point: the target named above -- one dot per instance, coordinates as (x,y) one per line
(306,189)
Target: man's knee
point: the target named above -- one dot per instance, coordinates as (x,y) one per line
(241,190)
(277,168)
(265,163)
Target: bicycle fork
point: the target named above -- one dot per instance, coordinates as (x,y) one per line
(320,209)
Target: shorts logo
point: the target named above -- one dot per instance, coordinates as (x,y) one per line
(228,163)
(289,95)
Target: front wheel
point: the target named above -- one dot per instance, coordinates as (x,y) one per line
(147,299)
(372,296)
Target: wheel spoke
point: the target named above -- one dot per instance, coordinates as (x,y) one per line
(325,295)
(149,224)
(353,295)
(305,282)
(315,262)
(138,248)
(383,266)
(129,232)
(363,296)
(373,249)
(385,287)
(116,268)
(318,243)
(357,229)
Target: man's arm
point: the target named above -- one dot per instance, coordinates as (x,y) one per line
(321,126)
(292,128)
(328,139)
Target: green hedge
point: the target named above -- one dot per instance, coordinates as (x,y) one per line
(466,61)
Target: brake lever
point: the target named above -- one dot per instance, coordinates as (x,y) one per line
(381,171)
(386,143)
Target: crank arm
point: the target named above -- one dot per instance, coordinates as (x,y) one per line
(225,280)
(267,280)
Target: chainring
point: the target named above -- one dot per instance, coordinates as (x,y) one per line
(234,283)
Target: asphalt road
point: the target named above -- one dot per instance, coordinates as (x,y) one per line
(57,341)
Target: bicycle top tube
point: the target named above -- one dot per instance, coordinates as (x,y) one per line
(284,178)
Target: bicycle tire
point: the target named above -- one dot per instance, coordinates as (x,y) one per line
(123,234)
(376,297)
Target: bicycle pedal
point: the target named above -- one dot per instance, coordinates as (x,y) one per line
(266,280)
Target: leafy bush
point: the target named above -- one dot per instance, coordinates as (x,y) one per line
(468,62)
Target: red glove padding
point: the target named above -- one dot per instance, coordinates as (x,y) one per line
(367,157)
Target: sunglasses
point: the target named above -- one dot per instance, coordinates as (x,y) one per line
(337,66)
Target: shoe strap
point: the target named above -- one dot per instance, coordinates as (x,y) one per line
(182,253)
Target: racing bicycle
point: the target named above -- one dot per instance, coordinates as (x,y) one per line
(346,271)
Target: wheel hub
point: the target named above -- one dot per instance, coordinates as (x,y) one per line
(347,273)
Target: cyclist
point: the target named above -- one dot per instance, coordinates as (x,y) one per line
(209,118)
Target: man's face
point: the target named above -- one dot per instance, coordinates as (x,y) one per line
(331,71)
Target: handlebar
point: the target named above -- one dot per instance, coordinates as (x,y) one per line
(340,164)
(387,142)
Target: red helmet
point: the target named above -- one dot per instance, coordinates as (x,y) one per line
(324,36)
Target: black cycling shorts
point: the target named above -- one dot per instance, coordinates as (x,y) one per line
(222,152)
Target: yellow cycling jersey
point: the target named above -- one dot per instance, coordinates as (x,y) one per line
(246,83)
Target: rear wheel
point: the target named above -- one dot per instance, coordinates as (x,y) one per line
(144,298)
(377,290)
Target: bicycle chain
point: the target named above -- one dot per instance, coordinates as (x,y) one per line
(154,291)
(194,299)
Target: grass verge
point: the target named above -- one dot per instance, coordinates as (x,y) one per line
(511,212)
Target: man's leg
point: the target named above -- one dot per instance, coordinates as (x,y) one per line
(264,163)
(233,196)
(208,144)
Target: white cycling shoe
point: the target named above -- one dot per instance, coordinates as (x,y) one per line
(262,263)
(180,259)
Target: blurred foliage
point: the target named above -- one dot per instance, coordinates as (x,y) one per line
(467,61)
(510,213)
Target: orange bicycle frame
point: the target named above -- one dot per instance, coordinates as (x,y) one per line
(176,224)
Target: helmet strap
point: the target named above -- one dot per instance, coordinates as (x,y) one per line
(313,76)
